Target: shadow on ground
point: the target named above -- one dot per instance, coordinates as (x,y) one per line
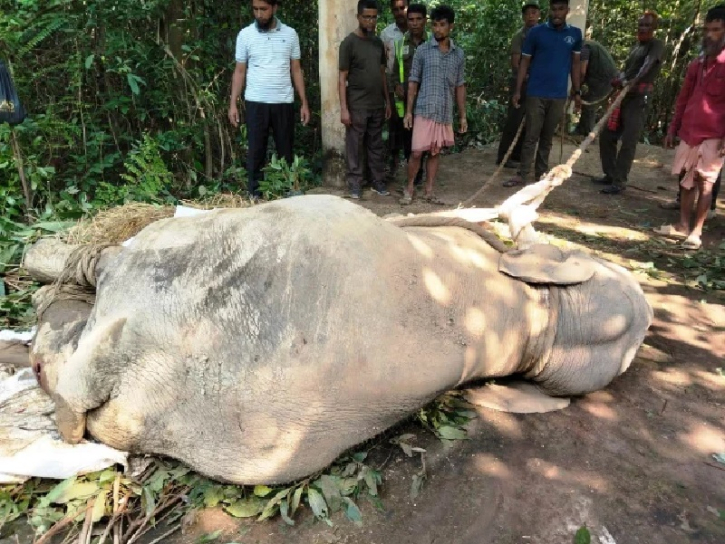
(633,463)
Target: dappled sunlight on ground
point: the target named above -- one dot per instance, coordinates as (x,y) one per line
(632,462)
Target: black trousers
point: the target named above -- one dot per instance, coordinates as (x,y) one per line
(616,164)
(260,117)
(596,90)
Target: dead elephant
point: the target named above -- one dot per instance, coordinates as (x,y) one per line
(256,345)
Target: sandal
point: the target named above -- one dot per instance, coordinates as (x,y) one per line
(433,199)
(407,199)
(513,182)
(692,242)
(669,230)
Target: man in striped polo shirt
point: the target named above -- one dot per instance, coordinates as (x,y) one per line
(268,63)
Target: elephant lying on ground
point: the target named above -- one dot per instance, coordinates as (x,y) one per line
(256,345)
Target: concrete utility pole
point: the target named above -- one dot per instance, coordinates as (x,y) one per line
(578,14)
(337,18)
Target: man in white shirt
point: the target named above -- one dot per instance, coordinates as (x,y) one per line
(268,64)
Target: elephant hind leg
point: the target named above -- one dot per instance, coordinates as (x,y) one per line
(83,383)
(518,397)
(71,423)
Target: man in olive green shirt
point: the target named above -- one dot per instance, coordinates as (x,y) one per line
(364,100)
(530,13)
(598,70)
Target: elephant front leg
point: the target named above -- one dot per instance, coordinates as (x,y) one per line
(516,397)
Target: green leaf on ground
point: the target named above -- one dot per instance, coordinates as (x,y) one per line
(209,537)
(582,536)
(296,497)
(246,508)
(451,433)
(262,490)
(331,491)
(352,511)
(317,503)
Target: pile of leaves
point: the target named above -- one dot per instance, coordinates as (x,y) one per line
(164,493)
(167,491)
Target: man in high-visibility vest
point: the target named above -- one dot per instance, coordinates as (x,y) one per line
(390,34)
(399,65)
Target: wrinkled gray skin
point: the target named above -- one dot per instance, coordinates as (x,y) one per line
(256,345)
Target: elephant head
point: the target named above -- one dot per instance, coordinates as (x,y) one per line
(599,312)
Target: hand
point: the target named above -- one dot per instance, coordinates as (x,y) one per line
(345,117)
(669,141)
(463,125)
(399,92)
(516,99)
(408,121)
(577,102)
(388,111)
(234,115)
(305,114)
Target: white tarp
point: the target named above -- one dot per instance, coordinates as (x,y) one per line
(29,442)
(181,211)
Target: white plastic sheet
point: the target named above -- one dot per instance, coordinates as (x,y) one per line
(181,211)
(30,445)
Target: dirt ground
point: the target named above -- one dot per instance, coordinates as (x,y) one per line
(633,462)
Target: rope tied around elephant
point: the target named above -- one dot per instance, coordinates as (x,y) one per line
(80,267)
(77,281)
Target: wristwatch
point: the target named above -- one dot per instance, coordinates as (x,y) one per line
(578,92)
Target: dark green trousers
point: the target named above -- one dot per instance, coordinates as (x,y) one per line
(616,164)
(543,115)
(514,116)
(596,91)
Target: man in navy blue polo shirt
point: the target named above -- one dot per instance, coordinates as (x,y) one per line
(268,64)
(549,55)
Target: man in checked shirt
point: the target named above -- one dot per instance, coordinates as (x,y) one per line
(436,77)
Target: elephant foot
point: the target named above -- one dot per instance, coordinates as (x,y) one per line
(71,424)
(516,397)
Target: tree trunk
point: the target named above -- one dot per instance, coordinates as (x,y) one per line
(173,21)
(337,18)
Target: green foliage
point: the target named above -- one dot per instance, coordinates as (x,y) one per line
(282,179)
(446,417)
(15,298)
(147,177)
(165,483)
(582,536)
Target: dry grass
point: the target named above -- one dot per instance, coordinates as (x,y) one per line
(115,225)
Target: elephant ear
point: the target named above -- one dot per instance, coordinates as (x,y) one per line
(547,264)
